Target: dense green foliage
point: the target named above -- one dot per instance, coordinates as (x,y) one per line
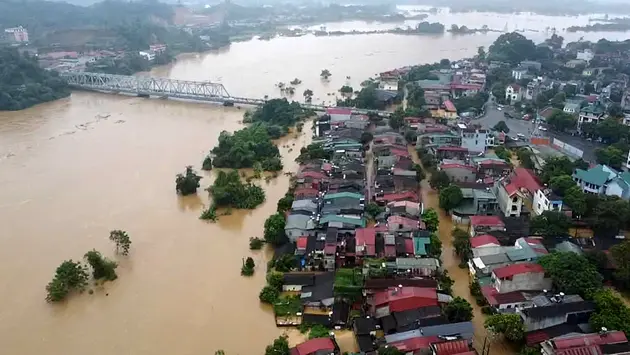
(246,147)
(450,197)
(390,350)
(207,163)
(274,229)
(24,84)
(229,191)
(318,331)
(122,241)
(209,214)
(69,276)
(508,324)
(102,268)
(458,310)
(269,294)
(571,273)
(187,183)
(439,180)
(561,121)
(277,112)
(431,219)
(610,312)
(275,280)
(373,209)
(248,267)
(461,244)
(513,48)
(611,156)
(550,224)
(280,346)
(285,203)
(313,151)
(256,243)
(620,255)
(285,263)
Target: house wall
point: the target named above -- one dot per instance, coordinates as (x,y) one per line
(542,203)
(474,141)
(614,189)
(460,174)
(294,233)
(339,117)
(537,324)
(510,206)
(508,306)
(529,281)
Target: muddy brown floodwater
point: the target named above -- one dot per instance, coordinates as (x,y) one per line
(450,262)
(75,169)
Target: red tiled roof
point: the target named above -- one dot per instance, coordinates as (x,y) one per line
(516,269)
(366,237)
(449,105)
(525,178)
(327,166)
(415,344)
(452,148)
(515,86)
(399,152)
(338,111)
(494,221)
(493,162)
(466,86)
(452,347)
(588,339)
(313,345)
(511,189)
(584,350)
(390,250)
(306,191)
(406,222)
(312,174)
(481,240)
(454,165)
(401,196)
(488,292)
(393,294)
(409,246)
(302,242)
(533,241)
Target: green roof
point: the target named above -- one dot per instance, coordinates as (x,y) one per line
(420,245)
(625,176)
(595,109)
(343,194)
(597,175)
(334,218)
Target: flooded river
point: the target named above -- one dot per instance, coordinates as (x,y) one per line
(74,169)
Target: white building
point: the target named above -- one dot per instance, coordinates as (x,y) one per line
(519,73)
(628,162)
(546,200)
(149,55)
(17,34)
(475,140)
(514,93)
(586,55)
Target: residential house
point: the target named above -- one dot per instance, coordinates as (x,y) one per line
(399,299)
(399,224)
(364,329)
(483,224)
(438,139)
(294,281)
(592,113)
(320,294)
(453,347)
(343,204)
(594,180)
(450,152)
(586,55)
(605,342)
(317,346)
(365,239)
(476,202)
(546,200)
(510,198)
(298,225)
(473,139)
(415,266)
(490,165)
(483,241)
(405,208)
(347,223)
(505,302)
(575,63)
(306,206)
(459,172)
(463,330)
(519,73)
(446,110)
(520,277)
(556,310)
(572,107)
(513,93)
(339,114)
(415,345)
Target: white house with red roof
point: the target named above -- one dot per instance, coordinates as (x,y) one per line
(513,93)
(520,277)
(514,190)
(484,241)
(484,224)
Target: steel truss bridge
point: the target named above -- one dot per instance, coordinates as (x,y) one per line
(170,88)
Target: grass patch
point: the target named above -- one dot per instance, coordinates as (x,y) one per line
(348,283)
(287,305)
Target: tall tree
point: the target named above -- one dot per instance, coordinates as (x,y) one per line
(571,273)
(508,324)
(575,198)
(550,224)
(187,183)
(461,243)
(280,346)
(620,254)
(501,126)
(458,310)
(610,312)
(122,241)
(561,183)
(431,219)
(610,215)
(512,47)
(274,229)
(439,180)
(450,197)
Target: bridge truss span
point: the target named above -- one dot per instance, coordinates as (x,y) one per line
(141,85)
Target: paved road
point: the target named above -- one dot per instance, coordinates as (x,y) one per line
(527,128)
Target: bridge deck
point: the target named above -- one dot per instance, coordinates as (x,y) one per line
(171,88)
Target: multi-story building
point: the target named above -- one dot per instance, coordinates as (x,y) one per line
(592,113)
(513,93)
(546,200)
(17,34)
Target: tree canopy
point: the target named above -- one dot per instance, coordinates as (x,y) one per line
(439,180)
(571,273)
(620,255)
(280,346)
(229,191)
(450,197)
(561,121)
(245,147)
(512,47)
(458,310)
(611,156)
(279,112)
(24,84)
(610,312)
(550,224)
(508,324)
(274,229)
(187,183)
(461,243)
(69,276)
(431,219)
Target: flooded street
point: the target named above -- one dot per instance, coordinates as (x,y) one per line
(74,169)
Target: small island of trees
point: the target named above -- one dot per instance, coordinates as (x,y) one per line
(229,191)
(325,74)
(245,148)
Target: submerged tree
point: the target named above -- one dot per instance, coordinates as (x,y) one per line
(207,163)
(102,268)
(187,183)
(122,241)
(69,276)
(325,74)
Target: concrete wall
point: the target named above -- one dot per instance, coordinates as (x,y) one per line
(523,282)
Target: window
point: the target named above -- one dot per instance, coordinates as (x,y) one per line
(514,207)
(515,199)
